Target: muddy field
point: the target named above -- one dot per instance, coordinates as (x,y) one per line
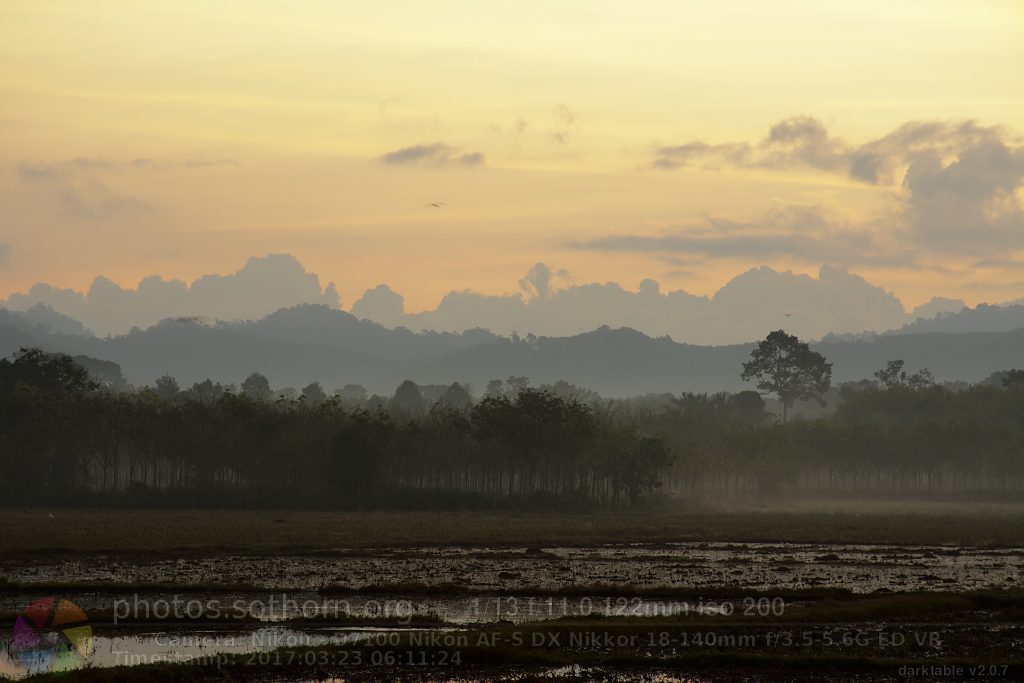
(751,566)
(690,611)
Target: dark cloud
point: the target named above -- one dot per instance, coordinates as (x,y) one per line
(437,154)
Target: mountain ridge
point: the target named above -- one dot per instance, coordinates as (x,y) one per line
(308,343)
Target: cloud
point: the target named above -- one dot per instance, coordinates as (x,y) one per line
(749,303)
(563,125)
(968,204)
(380,304)
(261,286)
(208,163)
(75,187)
(692,153)
(936,306)
(437,154)
(957,189)
(807,234)
(80,190)
(793,142)
(540,281)
(549,304)
(999,263)
(805,142)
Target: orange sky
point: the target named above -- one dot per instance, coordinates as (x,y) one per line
(142,137)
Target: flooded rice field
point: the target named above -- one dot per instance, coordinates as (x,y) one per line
(152,610)
(752,566)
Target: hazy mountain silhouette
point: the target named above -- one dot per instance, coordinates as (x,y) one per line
(42,316)
(981,318)
(301,344)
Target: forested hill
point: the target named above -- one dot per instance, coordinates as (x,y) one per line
(982,318)
(315,343)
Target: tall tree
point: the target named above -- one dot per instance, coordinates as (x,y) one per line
(313,394)
(48,373)
(456,397)
(785,366)
(167,388)
(257,387)
(408,400)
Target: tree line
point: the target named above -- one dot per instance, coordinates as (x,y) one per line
(66,437)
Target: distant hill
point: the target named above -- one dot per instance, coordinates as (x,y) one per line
(982,318)
(298,345)
(57,323)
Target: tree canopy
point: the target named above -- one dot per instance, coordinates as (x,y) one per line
(787,367)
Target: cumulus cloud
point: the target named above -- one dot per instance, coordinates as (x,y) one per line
(753,301)
(381,305)
(793,142)
(540,282)
(548,303)
(938,305)
(805,142)
(260,287)
(437,154)
(970,203)
(957,188)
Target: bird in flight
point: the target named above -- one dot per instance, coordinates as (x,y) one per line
(787,314)
(435,205)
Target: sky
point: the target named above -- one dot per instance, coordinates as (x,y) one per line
(679,141)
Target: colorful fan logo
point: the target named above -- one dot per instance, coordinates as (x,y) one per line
(51,635)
